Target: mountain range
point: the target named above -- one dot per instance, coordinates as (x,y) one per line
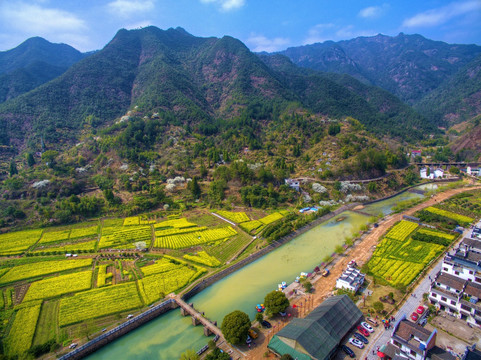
(392,85)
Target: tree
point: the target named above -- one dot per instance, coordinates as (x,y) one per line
(189,355)
(216,354)
(287,357)
(259,317)
(334,129)
(307,285)
(378,306)
(30,160)
(49,157)
(13,168)
(276,301)
(195,188)
(235,327)
(454,170)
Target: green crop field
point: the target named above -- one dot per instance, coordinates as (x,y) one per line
(47,323)
(252,225)
(237,217)
(461,219)
(55,236)
(69,248)
(180,241)
(271,218)
(437,233)
(59,285)
(31,270)
(99,302)
(227,249)
(203,258)
(160,266)
(17,242)
(402,230)
(84,232)
(125,237)
(21,334)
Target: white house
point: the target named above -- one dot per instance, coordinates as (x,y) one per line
(438,173)
(293,184)
(423,173)
(412,341)
(351,279)
(473,171)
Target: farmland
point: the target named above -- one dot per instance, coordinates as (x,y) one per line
(461,219)
(398,258)
(237,217)
(59,285)
(125,237)
(55,236)
(23,329)
(68,248)
(203,258)
(179,241)
(18,242)
(32,270)
(98,302)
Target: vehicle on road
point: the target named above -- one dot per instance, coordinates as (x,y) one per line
(373,322)
(414,316)
(362,338)
(348,351)
(356,343)
(420,309)
(73,346)
(249,340)
(366,326)
(363,331)
(266,324)
(252,334)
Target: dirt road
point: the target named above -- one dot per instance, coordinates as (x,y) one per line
(361,253)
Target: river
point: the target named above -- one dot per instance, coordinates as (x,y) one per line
(166,337)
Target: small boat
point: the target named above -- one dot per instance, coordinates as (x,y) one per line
(339,219)
(325,272)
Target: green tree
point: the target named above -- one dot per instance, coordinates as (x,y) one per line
(259,317)
(30,160)
(339,249)
(189,355)
(307,285)
(378,306)
(235,327)
(334,129)
(276,301)
(454,170)
(287,357)
(13,168)
(216,354)
(49,157)
(195,188)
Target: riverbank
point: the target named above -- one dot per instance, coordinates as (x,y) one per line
(361,252)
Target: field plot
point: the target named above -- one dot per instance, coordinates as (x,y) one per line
(271,218)
(252,225)
(174,223)
(102,275)
(227,249)
(47,323)
(100,302)
(55,236)
(133,220)
(399,262)
(125,237)
(17,242)
(180,241)
(203,258)
(155,287)
(401,230)
(59,285)
(237,217)
(461,219)
(27,271)
(21,334)
(69,248)
(84,232)
(437,233)
(174,231)
(160,266)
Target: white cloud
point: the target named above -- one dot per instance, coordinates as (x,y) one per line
(127,8)
(435,17)
(139,25)
(260,43)
(38,20)
(317,33)
(323,32)
(226,5)
(372,12)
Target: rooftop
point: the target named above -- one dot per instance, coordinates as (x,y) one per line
(407,330)
(451,281)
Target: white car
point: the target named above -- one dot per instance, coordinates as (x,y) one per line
(366,326)
(356,343)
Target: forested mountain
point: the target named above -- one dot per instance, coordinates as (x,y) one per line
(33,63)
(458,98)
(195,80)
(408,66)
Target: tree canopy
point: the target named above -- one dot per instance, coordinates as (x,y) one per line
(235,327)
(276,301)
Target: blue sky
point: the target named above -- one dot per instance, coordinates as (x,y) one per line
(263,25)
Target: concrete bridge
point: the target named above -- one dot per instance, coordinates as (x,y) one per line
(197,318)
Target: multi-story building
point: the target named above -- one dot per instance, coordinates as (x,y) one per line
(351,279)
(464,263)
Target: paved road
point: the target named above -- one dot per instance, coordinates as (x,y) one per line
(407,308)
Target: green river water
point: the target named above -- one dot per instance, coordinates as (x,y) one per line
(166,337)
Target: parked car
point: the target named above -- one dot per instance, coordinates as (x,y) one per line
(348,351)
(249,340)
(356,343)
(363,331)
(130,316)
(266,324)
(366,326)
(420,309)
(414,316)
(373,322)
(362,338)
(73,346)
(252,334)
